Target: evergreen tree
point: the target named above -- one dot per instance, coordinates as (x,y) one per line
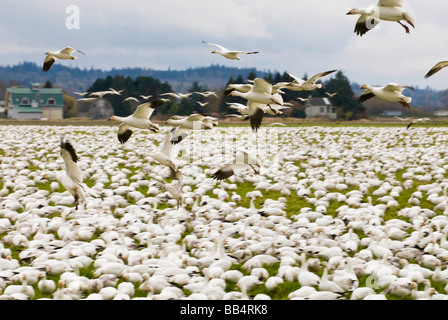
(131,88)
(345,99)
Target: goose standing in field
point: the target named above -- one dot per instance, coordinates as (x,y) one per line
(386,10)
(392,92)
(241,161)
(139,119)
(71,179)
(229,54)
(64,54)
(258,97)
(299,84)
(439,66)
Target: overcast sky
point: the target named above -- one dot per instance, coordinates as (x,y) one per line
(298,36)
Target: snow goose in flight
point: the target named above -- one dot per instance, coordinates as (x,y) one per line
(64,54)
(258,97)
(101,94)
(392,92)
(386,10)
(331,95)
(417,121)
(71,179)
(439,66)
(229,54)
(207,94)
(185,124)
(306,85)
(241,161)
(139,119)
(177,95)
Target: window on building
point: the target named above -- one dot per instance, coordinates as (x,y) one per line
(25,101)
(51,102)
(322,109)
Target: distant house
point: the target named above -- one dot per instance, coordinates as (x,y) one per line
(2,109)
(441,113)
(320,108)
(34,103)
(392,113)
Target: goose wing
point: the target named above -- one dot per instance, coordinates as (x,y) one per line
(316,77)
(261,86)
(70,158)
(124,132)
(439,66)
(366,95)
(145,110)
(297,80)
(365,23)
(70,50)
(216,45)
(48,62)
(390,3)
(178,135)
(255,113)
(393,87)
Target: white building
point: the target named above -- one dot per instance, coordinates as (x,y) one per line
(320,108)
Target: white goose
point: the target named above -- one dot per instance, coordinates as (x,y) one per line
(139,119)
(386,10)
(185,124)
(306,85)
(241,161)
(229,54)
(258,97)
(392,92)
(64,54)
(167,153)
(72,178)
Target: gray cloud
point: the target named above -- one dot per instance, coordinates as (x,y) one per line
(296,36)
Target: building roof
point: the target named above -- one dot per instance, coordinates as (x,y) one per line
(44,94)
(320,102)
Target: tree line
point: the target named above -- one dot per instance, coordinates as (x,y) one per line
(345,100)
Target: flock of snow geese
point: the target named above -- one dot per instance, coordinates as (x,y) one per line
(188,248)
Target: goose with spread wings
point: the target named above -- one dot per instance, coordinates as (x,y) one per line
(242,160)
(167,153)
(386,10)
(72,179)
(183,125)
(299,84)
(392,92)
(139,119)
(259,95)
(64,54)
(229,54)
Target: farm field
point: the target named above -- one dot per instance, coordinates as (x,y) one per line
(336,212)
